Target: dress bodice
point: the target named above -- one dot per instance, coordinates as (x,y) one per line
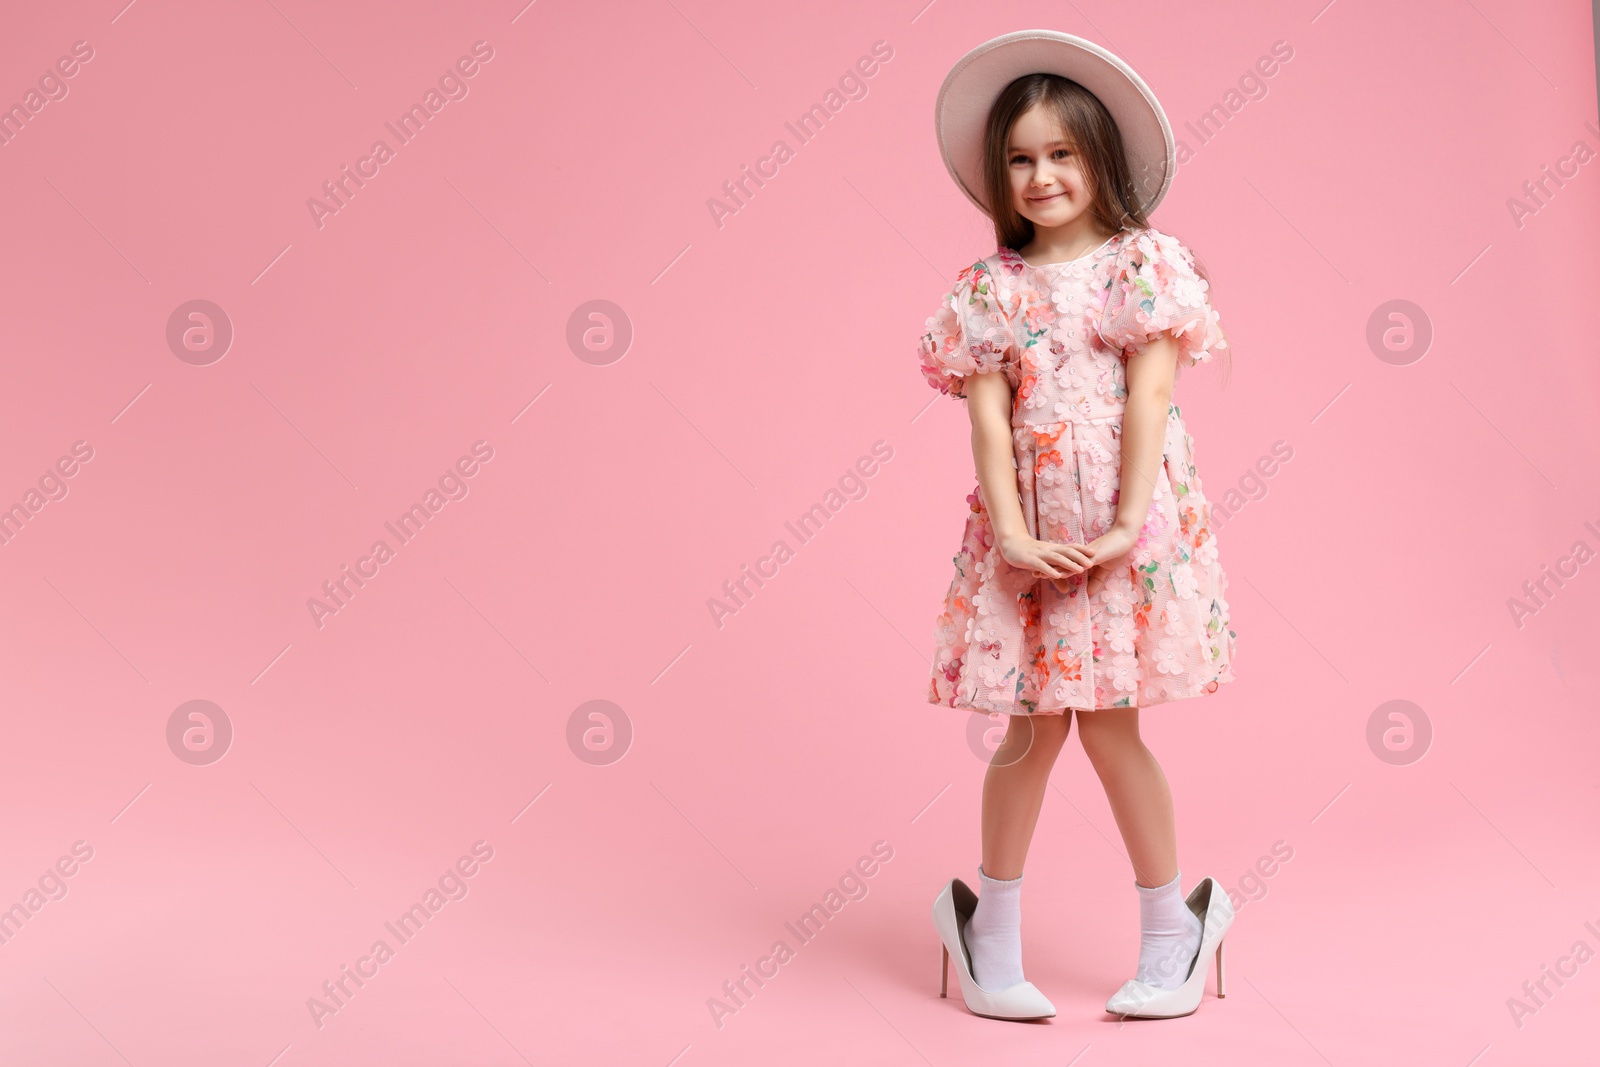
(1065,370)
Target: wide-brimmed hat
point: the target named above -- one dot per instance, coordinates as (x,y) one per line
(962,108)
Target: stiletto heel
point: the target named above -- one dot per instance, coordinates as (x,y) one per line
(944,971)
(1210,904)
(951,910)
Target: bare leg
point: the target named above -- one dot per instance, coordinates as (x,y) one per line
(1013,789)
(1141,800)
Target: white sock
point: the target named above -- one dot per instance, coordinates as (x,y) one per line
(994,933)
(1169,935)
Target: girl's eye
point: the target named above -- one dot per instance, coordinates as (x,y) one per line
(1024,159)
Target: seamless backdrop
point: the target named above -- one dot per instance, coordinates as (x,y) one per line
(473,526)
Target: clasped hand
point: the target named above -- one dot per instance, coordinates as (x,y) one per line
(1059,560)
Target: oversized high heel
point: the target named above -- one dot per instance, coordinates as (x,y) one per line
(951,910)
(1136,1000)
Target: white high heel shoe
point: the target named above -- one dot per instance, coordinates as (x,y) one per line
(1136,1000)
(951,910)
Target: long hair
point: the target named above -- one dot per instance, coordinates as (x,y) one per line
(1093,134)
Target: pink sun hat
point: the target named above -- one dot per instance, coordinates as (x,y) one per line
(962,108)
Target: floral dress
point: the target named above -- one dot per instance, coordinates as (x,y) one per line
(1157,628)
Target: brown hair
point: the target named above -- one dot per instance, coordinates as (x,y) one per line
(1093,134)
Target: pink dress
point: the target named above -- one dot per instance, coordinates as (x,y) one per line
(1158,628)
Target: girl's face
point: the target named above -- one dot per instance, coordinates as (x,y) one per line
(1048,187)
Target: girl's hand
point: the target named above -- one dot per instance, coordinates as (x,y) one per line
(1106,550)
(1048,559)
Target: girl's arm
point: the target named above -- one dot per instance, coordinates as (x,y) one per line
(1150,377)
(1144,429)
(989,408)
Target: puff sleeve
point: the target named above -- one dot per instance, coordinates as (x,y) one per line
(969,334)
(1154,287)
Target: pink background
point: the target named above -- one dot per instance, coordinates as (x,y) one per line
(768,354)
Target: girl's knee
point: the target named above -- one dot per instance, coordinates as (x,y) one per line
(1108,731)
(1051,727)
(1037,733)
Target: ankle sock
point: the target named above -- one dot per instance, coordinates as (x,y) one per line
(994,933)
(1169,935)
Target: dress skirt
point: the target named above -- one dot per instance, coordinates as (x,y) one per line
(1155,629)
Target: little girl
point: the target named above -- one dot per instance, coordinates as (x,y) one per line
(1087,578)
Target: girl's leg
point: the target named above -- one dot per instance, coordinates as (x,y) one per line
(1013,792)
(1013,789)
(1141,801)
